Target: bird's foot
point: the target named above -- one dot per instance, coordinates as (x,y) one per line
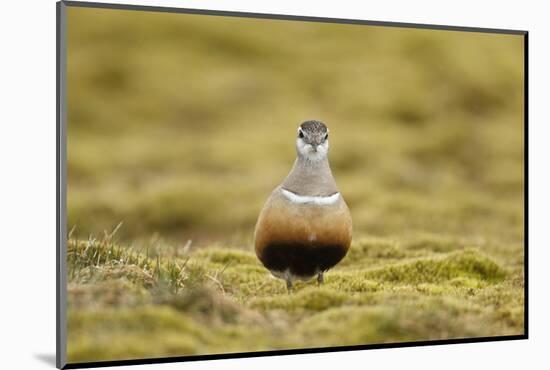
(320,278)
(289,286)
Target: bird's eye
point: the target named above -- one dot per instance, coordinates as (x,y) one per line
(300,134)
(326,136)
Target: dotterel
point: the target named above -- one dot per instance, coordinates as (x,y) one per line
(305,227)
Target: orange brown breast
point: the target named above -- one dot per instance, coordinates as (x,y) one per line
(302,238)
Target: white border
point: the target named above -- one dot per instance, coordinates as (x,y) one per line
(27,155)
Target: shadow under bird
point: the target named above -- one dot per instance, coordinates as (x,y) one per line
(305,226)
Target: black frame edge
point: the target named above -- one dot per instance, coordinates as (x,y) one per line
(61,146)
(526,183)
(57,223)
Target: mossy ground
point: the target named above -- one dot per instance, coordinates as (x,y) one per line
(124,304)
(181,125)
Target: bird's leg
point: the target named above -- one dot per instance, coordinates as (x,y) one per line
(320,279)
(288,285)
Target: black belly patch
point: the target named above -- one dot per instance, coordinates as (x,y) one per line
(301,259)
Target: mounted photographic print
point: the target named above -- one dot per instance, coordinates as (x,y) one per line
(237,184)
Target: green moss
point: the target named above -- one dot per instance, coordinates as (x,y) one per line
(226,256)
(309,298)
(131,333)
(465,282)
(156,331)
(434,243)
(350,282)
(207,304)
(374,251)
(409,320)
(107,293)
(469,263)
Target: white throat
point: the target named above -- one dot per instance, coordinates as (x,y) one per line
(306,199)
(306,150)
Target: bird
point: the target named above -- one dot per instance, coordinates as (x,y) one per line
(305,226)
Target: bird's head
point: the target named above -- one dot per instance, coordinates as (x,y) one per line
(312,140)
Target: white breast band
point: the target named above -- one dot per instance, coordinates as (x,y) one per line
(305,199)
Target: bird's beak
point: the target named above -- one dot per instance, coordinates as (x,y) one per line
(314,147)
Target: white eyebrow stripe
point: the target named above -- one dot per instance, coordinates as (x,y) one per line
(305,199)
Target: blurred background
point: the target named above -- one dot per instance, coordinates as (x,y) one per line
(181,125)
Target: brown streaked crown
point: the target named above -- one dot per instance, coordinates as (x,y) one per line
(314,127)
(313,132)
